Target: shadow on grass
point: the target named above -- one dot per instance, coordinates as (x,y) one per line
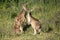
(26,27)
(50,29)
(46,30)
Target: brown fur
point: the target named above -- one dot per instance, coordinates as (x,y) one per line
(35,23)
(20,21)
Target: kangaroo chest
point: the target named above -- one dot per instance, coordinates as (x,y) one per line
(28,18)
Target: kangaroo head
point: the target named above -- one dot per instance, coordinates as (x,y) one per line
(30,11)
(24,7)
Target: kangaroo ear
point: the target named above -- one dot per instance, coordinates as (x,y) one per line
(33,8)
(25,6)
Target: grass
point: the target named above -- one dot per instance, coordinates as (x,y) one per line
(48,13)
(28,36)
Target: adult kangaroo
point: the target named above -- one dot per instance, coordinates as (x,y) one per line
(20,20)
(35,23)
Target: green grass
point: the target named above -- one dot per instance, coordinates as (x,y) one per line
(48,13)
(29,36)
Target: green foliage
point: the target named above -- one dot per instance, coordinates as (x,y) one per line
(13,15)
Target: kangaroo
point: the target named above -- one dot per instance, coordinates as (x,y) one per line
(35,23)
(20,20)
